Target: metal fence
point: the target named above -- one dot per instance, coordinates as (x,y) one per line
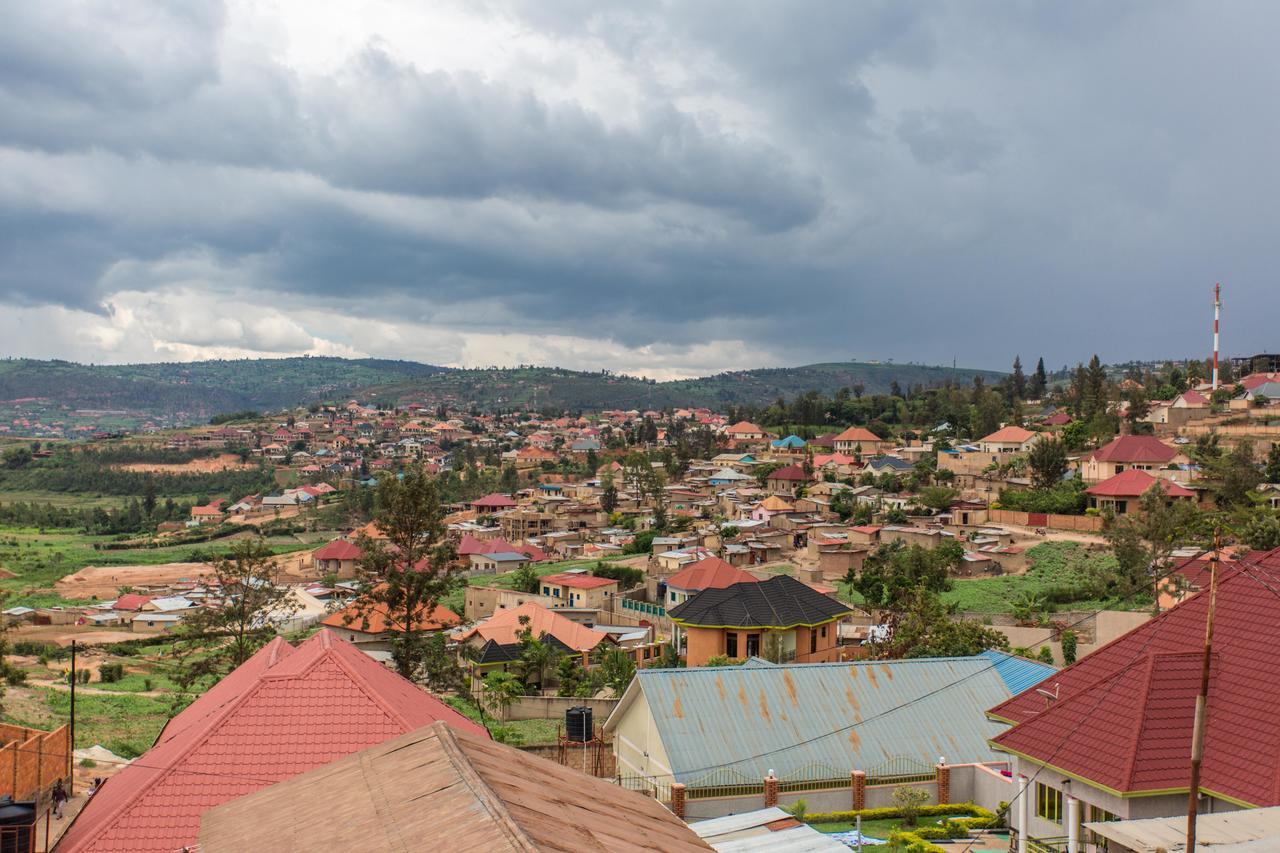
(901,770)
(644,607)
(724,782)
(813,777)
(659,789)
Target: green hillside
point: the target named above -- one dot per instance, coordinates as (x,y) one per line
(568,389)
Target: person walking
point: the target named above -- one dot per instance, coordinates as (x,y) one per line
(59,797)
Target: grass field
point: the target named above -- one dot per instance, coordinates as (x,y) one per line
(525,732)
(1054,566)
(39,559)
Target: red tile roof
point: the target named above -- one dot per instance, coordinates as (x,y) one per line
(504,627)
(338,549)
(284,711)
(1123,714)
(494,501)
(790,473)
(744,427)
(1135,483)
(709,573)
(857,434)
(131,601)
(375,622)
(1134,448)
(1057,419)
(1009,435)
(578,581)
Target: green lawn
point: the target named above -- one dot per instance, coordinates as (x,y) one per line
(526,732)
(125,724)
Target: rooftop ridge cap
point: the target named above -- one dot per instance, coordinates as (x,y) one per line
(484,794)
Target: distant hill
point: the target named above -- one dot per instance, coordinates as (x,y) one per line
(193,392)
(569,389)
(51,392)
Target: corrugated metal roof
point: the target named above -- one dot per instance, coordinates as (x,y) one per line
(1018,673)
(818,720)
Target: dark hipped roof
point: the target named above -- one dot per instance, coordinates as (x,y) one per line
(779,602)
(439,788)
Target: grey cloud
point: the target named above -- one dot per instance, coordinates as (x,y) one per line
(954,140)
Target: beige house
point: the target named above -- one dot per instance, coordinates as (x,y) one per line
(1008,440)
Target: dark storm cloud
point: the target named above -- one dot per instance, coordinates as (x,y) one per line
(892,178)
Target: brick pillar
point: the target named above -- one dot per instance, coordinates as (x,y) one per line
(770,790)
(677,799)
(944,783)
(858,784)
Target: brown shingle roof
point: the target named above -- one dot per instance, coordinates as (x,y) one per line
(416,791)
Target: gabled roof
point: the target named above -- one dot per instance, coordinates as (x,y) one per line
(1135,482)
(439,783)
(855,433)
(1009,435)
(577,580)
(773,503)
(1134,448)
(504,627)
(1135,741)
(779,602)
(709,573)
(338,549)
(790,473)
(131,601)
(744,427)
(284,711)
(792,717)
(375,621)
(494,501)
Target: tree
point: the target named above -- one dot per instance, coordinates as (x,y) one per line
(893,572)
(1039,381)
(1271,474)
(924,628)
(250,600)
(908,801)
(525,579)
(1142,541)
(1068,646)
(536,658)
(1232,475)
(617,669)
(499,691)
(1018,381)
(608,494)
(938,498)
(1047,460)
(1261,530)
(403,577)
(1094,399)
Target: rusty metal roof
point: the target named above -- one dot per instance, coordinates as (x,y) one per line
(822,720)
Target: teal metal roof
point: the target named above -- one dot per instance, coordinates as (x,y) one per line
(823,720)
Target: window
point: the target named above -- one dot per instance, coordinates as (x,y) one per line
(824,631)
(1098,814)
(813,640)
(753,645)
(731,645)
(1048,803)
(546,590)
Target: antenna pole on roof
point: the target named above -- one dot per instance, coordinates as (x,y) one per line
(1197,732)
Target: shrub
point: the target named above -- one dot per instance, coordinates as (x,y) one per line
(1046,655)
(1068,647)
(109,673)
(909,800)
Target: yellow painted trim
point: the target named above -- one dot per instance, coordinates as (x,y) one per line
(1124,795)
(684,624)
(999,719)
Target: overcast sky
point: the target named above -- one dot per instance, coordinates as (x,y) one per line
(661,188)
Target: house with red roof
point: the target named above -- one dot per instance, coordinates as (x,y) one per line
(786,480)
(373,633)
(579,589)
(862,441)
(707,573)
(1121,493)
(1144,452)
(744,431)
(338,558)
(283,712)
(493,503)
(1109,737)
(1011,439)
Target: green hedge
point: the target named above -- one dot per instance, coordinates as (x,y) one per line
(978,816)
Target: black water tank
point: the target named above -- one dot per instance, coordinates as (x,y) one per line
(17,826)
(577,724)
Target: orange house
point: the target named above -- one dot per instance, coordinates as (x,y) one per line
(780,619)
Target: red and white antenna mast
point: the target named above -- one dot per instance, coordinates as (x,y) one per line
(1217,309)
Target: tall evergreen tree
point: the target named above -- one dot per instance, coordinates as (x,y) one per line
(1039,381)
(1018,382)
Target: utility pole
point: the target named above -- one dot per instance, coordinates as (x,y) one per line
(1197,732)
(71,736)
(1217,309)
